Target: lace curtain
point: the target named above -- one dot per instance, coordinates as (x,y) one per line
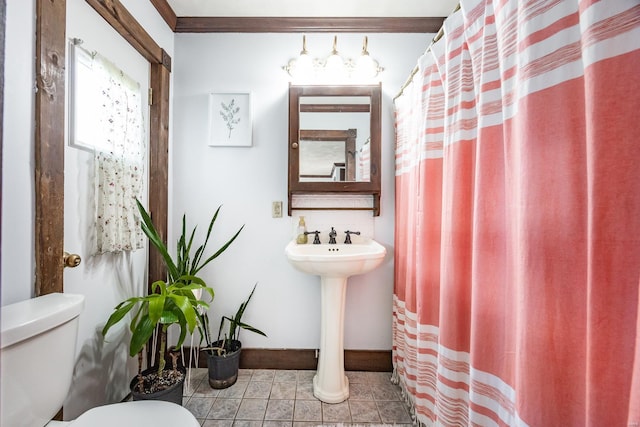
(118,159)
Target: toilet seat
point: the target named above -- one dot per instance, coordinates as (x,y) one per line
(136,414)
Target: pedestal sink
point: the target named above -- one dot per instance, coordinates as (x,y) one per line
(334,263)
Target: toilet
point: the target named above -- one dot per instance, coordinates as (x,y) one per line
(37,357)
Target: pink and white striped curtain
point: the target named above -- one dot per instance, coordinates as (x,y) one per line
(518,218)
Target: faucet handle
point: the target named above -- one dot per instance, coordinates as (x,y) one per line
(332,236)
(316,238)
(347,239)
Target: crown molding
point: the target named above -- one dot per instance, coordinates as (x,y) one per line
(307,25)
(246,24)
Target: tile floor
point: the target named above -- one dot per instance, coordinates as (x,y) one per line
(279,398)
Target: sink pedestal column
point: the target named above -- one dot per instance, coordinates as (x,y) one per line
(330,384)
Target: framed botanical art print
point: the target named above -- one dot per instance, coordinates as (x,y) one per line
(230,119)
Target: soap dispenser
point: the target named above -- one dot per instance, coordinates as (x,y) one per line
(301,238)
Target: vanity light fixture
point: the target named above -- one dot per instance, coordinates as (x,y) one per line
(304,64)
(366,66)
(333,69)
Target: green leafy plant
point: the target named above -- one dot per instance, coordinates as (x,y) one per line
(171,302)
(183,265)
(168,304)
(223,344)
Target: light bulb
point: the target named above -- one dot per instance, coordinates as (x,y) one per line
(303,69)
(366,67)
(304,66)
(334,66)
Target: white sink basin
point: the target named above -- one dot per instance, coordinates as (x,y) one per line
(334,264)
(337,260)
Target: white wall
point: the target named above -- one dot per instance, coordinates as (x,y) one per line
(103,369)
(18,260)
(286,304)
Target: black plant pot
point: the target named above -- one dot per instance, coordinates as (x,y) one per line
(223,370)
(172,394)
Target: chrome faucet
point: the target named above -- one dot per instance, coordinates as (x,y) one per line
(332,236)
(347,240)
(316,239)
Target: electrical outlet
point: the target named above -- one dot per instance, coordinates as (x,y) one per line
(276,209)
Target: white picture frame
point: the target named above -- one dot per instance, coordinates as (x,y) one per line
(230,119)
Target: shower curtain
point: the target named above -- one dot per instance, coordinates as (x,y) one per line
(516,297)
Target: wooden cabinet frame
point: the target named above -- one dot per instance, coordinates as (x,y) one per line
(373,186)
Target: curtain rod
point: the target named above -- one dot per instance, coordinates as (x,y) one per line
(416,68)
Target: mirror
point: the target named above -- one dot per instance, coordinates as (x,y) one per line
(345,122)
(329,155)
(334,140)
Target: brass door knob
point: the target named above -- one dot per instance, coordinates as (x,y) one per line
(294,145)
(71,260)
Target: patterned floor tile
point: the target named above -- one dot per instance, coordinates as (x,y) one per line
(304,391)
(236,391)
(283,390)
(360,391)
(199,406)
(258,390)
(205,390)
(380,377)
(307,410)
(356,377)
(279,410)
(285,376)
(263,375)
(247,423)
(284,398)
(306,376)
(252,409)
(277,424)
(217,423)
(385,391)
(245,374)
(393,412)
(336,412)
(224,409)
(364,412)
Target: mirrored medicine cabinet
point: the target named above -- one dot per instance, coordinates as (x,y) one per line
(334,141)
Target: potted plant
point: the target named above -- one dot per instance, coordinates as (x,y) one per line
(223,355)
(168,304)
(176,301)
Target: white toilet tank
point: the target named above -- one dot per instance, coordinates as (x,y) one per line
(37,354)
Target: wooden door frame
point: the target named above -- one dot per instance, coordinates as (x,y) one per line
(50,141)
